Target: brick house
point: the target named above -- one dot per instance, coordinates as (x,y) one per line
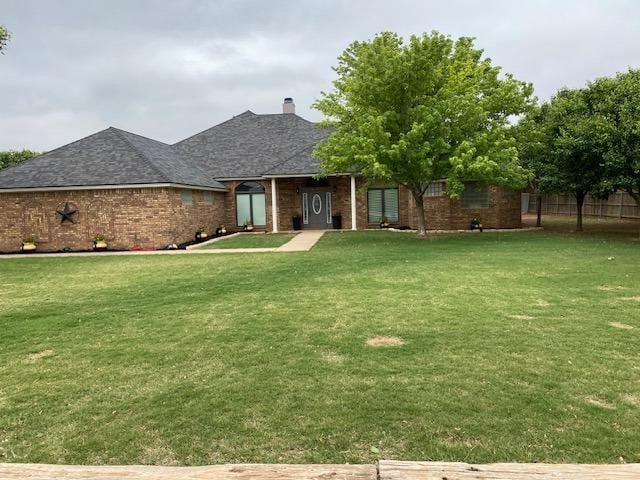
(257,169)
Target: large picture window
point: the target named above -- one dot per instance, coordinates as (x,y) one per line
(250,204)
(382,203)
(474,196)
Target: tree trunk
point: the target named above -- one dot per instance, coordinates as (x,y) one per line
(418,197)
(636,196)
(538,209)
(579,203)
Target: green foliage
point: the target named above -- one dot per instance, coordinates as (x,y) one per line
(262,240)
(617,100)
(10,158)
(4,38)
(412,113)
(577,135)
(534,143)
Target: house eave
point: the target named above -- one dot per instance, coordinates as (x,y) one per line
(232,179)
(303,175)
(110,187)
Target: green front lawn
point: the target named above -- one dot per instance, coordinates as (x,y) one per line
(252,240)
(516,347)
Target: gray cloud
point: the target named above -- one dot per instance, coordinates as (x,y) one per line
(170,69)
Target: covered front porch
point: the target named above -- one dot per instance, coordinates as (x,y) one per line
(307,203)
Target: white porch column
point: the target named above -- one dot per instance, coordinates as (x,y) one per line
(274,205)
(353,203)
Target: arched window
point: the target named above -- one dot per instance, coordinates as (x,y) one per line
(250,204)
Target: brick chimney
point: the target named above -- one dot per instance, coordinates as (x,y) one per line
(288,106)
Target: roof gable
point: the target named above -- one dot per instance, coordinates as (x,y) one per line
(250,145)
(108,157)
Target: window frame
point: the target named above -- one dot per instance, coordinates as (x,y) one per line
(383,206)
(191,200)
(481,193)
(435,189)
(255,189)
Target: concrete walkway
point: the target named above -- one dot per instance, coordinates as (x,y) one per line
(302,242)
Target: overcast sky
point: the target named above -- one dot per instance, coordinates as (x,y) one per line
(168,69)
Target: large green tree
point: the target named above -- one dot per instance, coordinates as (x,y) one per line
(10,158)
(577,135)
(420,111)
(4,37)
(617,100)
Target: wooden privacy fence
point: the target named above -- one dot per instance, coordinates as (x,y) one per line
(618,205)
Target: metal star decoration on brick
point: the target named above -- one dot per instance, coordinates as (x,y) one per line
(66,214)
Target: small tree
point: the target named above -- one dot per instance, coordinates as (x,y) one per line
(10,158)
(4,38)
(419,112)
(534,150)
(577,136)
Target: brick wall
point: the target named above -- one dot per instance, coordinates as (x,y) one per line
(443,213)
(147,217)
(230,220)
(290,201)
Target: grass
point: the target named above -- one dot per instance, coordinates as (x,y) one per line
(510,348)
(252,240)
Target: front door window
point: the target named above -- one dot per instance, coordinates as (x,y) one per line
(316,208)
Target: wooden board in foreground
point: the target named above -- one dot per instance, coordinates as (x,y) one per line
(397,470)
(14,471)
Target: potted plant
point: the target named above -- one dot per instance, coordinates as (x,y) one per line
(28,245)
(297,222)
(99,243)
(384,223)
(336,221)
(248,226)
(201,233)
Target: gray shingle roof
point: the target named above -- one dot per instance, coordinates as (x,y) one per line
(246,146)
(251,145)
(301,162)
(108,157)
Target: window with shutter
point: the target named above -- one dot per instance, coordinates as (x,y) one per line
(390,208)
(374,203)
(382,203)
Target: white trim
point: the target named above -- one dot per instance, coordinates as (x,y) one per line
(305,208)
(244,179)
(111,187)
(301,175)
(353,203)
(274,206)
(313,204)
